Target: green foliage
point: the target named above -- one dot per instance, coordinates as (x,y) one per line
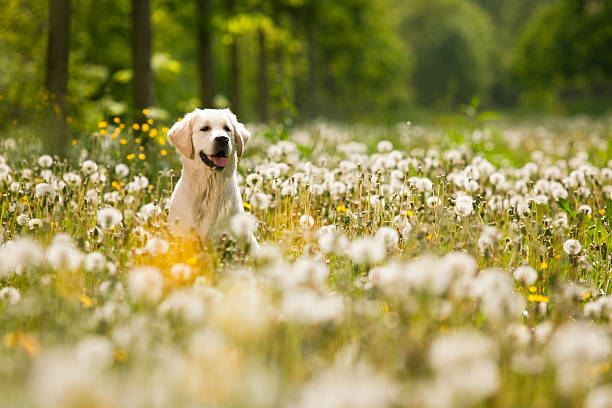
(367,60)
(565,52)
(454,56)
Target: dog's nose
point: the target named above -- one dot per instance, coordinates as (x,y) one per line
(222,140)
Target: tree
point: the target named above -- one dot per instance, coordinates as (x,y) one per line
(565,54)
(234,66)
(263,89)
(451,41)
(205,58)
(141,54)
(56,81)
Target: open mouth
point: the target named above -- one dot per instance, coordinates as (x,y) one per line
(216,162)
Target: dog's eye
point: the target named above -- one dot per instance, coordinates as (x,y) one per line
(227,129)
(206,128)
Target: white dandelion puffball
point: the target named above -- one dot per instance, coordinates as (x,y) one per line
(306,221)
(109,217)
(122,170)
(145,283)
(525,275)
(157,246)
(384,146)
(464,205)
(10,295)
(45,160)
(243,224)
(388,236)
(366,251)
(89,166)
(572,247)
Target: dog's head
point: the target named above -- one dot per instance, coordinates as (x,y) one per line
(212,136)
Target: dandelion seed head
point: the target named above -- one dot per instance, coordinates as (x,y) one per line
(109,218)
(243,224)
(45,160)
(572,247)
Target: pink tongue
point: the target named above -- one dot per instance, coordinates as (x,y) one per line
(219,161)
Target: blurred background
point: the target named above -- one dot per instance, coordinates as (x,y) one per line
(289,61)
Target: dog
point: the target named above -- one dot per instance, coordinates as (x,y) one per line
(206,196)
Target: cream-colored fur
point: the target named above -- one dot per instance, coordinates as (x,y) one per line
(205,198)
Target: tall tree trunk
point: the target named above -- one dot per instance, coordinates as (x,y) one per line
(56,80)
(313,86)
(141,54)
(263,89)
(205,52)
(234,67)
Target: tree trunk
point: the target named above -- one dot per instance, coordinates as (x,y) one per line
(263,89)
(312,74)
(234,67)
(56,80)
(141,54)
(205,52)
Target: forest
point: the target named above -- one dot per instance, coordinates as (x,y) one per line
(287,61)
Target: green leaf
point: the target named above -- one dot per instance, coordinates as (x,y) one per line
(565,206)
(305,150)
(609,210)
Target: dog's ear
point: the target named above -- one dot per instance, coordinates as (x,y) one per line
(180,135)
(241,133)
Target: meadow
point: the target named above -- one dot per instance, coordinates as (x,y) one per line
(400,266)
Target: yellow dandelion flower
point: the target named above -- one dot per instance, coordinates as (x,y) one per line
(130,156)
(246,205)
(165,129)
(532,289)
(602,211)
(150,121)
(150,187)
(537,298)
(102,125)
(586,295)
(144,127)
(123,141)
(161,140)
(341,209)
(74,142)
(114,134)
(544,265)
(120,356)
(141,148)
(116,185)
(102,132)
(409,213)
(116,119)
(122,126)
(135,126)
(145,111)
(153,132)
(429,236)
(142,156)
(85,301)
(163,152)
(137,140)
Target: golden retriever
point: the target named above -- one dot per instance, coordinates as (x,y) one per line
(206,196)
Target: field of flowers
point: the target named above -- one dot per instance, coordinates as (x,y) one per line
(403,266)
